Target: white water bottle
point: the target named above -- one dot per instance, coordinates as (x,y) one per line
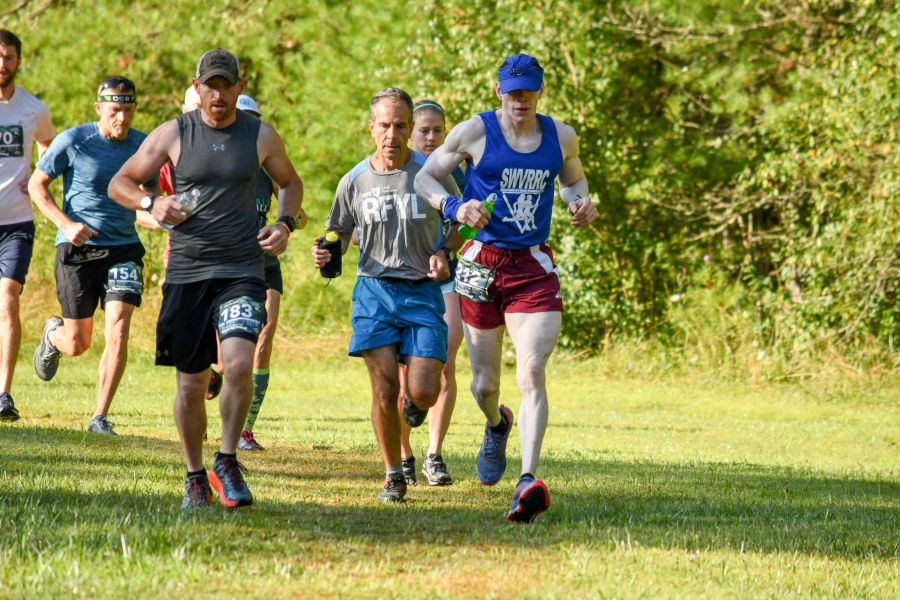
(188,200)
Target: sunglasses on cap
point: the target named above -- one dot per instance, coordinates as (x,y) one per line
(119,84)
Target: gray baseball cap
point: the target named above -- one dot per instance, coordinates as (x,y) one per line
(218,62)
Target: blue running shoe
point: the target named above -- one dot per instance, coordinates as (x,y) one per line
(491,461)
(530,499)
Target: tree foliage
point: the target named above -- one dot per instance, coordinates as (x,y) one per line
(743,146)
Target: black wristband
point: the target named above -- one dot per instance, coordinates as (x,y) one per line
(446,250)
(289,221)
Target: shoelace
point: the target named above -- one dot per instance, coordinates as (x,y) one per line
(491,445)
(231,470)
(394,484)
(437,463)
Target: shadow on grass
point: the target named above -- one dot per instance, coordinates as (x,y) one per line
(54,482)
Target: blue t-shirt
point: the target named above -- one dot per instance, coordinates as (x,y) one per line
(87,161)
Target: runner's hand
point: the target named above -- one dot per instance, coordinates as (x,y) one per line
(583,211)
(474,214)
(273,239)
(438,265)
(78,233)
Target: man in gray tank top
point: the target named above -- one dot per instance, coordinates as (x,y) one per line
(214,279)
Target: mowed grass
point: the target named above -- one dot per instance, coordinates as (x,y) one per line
(682,488)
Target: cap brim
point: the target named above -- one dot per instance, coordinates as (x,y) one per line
(532,84)
(228,75)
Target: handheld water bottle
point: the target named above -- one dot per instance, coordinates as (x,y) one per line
(332,243)
(466,232)
(188,200)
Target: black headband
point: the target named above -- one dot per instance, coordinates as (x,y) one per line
(121,98)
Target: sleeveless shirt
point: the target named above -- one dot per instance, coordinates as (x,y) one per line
(218,239)
(523,183)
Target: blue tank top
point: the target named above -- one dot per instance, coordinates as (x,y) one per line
(523,183)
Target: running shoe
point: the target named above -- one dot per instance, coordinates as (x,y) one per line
(215,384)
(530,499)
(435,471)
(8,410)
(409,470)
(46,356)
(394,489)
(197,493)
(100,424)
(412,414)
(247,442)
(491,461)
(228,482)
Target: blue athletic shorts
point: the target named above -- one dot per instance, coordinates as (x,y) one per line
(392,311)
(16,245)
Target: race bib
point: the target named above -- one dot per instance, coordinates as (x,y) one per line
(12,141)
(125,278)
(473,280)
(241,315)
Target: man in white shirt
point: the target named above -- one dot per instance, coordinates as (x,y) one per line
(23,120)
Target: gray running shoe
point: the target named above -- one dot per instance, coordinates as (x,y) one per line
(197,493)
(248,442)
(435,471)
(412,414)
(46,356)
(100,424)
(409,470)
(8,410)
(394,489)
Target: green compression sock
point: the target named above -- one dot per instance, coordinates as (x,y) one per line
(260,385)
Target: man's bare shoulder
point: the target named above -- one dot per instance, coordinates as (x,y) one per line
(466,135)
(166,131)
(568,139)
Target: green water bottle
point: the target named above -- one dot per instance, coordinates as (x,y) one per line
(466,232)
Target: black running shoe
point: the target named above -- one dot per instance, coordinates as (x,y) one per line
(394,489)
(435,471)
(228,482)
(530,499)
(412,414)
(409,470)
(197,493)
(8,410)
(46,356)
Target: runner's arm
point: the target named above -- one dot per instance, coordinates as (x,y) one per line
(573,186)
(126,187)
(428,184)
(39,190)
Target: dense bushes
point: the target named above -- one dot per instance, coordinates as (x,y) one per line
(743,154)
(750,151)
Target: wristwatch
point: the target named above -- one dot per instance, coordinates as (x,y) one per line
(147,202)
(289,221)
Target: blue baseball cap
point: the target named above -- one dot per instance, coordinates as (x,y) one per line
(520,72)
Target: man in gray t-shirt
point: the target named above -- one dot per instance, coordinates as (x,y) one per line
(397,304)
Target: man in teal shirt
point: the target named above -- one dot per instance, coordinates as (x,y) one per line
(99,257)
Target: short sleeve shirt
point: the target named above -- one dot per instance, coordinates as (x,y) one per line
(87,161)
(23,119)
(398,231)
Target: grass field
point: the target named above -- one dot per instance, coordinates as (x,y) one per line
(660,488)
